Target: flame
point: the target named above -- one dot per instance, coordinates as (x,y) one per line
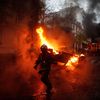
(72,62)
(43,39)
(82,55)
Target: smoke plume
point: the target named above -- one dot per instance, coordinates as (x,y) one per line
(18,19)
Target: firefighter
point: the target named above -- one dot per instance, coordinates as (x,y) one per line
(45,60)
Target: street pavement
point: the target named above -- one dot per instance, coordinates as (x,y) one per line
(21,82)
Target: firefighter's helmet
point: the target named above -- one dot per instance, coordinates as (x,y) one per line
(43,48)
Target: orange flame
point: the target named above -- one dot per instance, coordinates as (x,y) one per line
(82,55)
(44,40)
(72,62)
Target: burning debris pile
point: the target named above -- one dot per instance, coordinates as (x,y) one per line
(68,60)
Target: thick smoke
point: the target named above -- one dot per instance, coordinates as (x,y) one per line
(90,16)
(89,26)
(94,3)
(88,12)
(91,19)
(18,19)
